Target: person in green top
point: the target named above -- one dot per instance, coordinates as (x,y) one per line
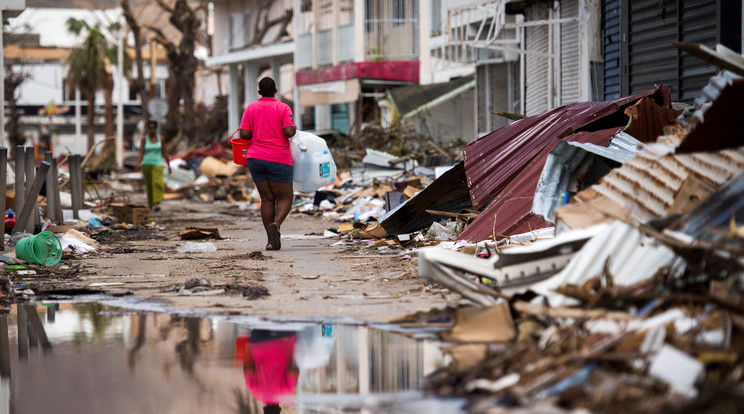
(152,152)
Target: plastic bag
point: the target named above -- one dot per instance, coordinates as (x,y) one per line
(195,247)
(313,164)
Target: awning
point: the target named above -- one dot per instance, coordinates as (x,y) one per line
(411,100)
(327,93)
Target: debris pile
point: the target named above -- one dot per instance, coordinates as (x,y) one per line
(605,260)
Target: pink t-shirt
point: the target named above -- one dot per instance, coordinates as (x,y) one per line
(266,119)
(272,378)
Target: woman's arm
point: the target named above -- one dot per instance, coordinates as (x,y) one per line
(141,151)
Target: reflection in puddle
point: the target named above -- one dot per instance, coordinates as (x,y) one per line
(89,358)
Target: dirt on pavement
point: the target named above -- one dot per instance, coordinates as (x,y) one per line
(310,277)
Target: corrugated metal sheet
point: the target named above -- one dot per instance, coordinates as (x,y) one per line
(569,54)
(496,159)
(510,213)
(536,67)
(710,219)
(647,185)
(611,42)
(620,249)
(622,148)
(568,157)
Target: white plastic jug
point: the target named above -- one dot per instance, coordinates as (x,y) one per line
(313,163)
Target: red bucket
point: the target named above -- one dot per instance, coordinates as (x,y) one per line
(240,148)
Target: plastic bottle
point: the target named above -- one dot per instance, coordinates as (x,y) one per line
(313,163)
(302,166)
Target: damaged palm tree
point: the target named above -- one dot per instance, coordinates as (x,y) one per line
(138,84)
(89,70)
(13,80)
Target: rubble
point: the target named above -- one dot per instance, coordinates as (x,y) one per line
(636,301)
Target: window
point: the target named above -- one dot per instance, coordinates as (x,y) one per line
(237,30)
(399,11)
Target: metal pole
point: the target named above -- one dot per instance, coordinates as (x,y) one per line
(3,179)
(120,104)
(30,164)
(50,207)
(32,194)
(20,183)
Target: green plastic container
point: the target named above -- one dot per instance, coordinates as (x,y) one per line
(44,249)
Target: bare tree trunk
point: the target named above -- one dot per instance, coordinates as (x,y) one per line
(91,97)
(188,22)
(169,129)
(108,92)
(138,84)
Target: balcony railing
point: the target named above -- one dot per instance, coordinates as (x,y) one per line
(391,39)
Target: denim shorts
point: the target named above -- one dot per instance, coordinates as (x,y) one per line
(262,170)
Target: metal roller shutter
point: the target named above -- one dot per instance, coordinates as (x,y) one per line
(698,25)
(611,43)
(651,58)
(536,67)
(569,54)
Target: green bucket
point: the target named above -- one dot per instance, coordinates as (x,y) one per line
(44,249)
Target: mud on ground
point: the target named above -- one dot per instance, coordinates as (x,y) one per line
(310,277)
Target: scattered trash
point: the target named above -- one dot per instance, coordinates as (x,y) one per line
(195,281)
(44,249)
(253,293)
(196,247)
(196,233)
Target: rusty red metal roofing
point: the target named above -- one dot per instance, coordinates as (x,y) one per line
(216,149)
(510,213)
(495,160)
(722,127)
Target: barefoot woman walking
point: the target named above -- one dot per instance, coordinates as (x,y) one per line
(268,124)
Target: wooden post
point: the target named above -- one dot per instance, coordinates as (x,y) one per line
(22,330)
(80,182)
(73,166)
(3,179)
(32,194)
(4,347)
(55,193)
(30,164)
(20,183)
(50,207)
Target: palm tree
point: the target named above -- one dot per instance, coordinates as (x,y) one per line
(90,71)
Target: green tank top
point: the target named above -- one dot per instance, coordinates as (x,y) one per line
(153,152)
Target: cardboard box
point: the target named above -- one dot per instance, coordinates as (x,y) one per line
(130,213)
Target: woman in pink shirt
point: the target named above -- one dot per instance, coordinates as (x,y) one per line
(268,124)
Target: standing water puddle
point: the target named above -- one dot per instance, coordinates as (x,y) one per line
(92,358)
